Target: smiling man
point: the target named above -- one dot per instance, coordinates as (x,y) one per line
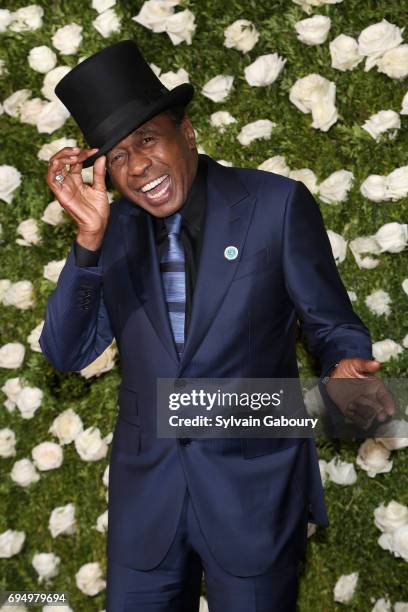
(197,271)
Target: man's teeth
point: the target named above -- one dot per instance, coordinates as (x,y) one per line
(154,183)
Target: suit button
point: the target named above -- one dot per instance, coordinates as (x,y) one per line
(185,441)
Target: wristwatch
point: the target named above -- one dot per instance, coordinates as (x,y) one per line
(326,378)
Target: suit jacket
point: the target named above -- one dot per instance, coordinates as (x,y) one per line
(252,497)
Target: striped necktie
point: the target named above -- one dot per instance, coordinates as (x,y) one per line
(172,268)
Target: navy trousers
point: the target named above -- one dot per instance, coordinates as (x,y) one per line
(174,585)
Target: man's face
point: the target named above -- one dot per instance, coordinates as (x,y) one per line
(155,165)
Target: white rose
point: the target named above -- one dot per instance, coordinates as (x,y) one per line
(180,27)
(307,177)
(105,477)
(51,80)
(53,269)
(379,302)
(394,63)
(399,542)
(107,23)
(20,295)
(24,473)
(390,517)
(154,14)
(29,230)
(262,128)
(50,148)
(344,53)
(352,295)
(14,103)
(314,30)
(264,70)
(90,446)
(47,456)
(11,542)
(382,121)
(392,237)
(378,38)
(203,605)
(404,285)
(218,88)
(66,426)
(276,164)
(404,105)
(313,402)
(173,79)
(336,187)
(382,605)
(324,113)
(396,184)
(387,349)
(345,587)
(68,38)
(27,18)
(28,401)
(53,115)
(307,5)
(12,388)
(57,608)
(46,566)
(241,35)
(89,579)
(221,119)
(396,432)
(102,522)
(31,110)
(5,19)
(54,214)
(7,442)
(341,472)
(374,188)
(42,59)
(338,245)
(10,180)
(405,341)
(373,457)
(62,520)
(12,355)
(102,5)
(306,91)
(102,364)
(34,336)
(400,606)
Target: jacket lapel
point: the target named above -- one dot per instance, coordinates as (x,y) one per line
(138,235)
(228,213)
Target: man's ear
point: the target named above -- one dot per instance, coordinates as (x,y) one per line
(188,131)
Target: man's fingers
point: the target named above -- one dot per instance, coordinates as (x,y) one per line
(386,399)
(99,171)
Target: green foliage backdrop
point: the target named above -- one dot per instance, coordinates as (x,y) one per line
(350,544)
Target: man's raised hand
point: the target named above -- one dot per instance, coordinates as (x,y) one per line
(88,205)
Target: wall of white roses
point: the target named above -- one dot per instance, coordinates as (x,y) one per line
(316,90)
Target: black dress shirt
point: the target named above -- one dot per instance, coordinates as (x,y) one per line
(192,212)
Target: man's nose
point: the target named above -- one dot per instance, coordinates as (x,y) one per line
(138,163)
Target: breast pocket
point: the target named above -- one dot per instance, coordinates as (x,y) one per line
(254,263)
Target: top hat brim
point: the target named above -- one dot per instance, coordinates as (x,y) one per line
(182,94)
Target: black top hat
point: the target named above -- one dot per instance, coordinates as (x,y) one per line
(113,92)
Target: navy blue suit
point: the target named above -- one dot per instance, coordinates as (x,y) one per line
(251,496)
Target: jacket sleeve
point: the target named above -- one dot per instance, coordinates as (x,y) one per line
(84,257)
(331,328)
(76,325)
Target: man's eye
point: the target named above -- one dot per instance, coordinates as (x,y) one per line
(116,158)
(147,138)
